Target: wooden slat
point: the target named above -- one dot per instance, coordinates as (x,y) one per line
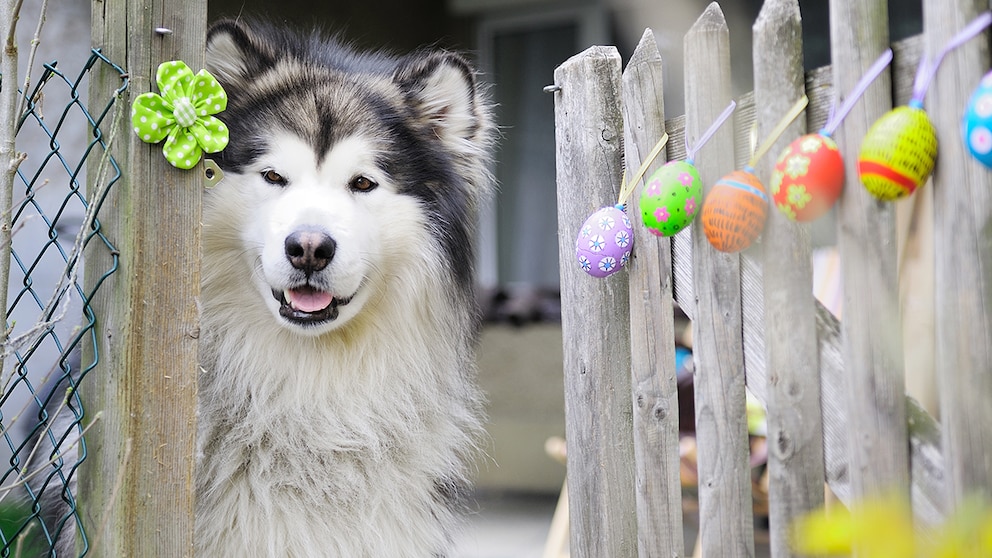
(963,216)
(876,395)
(595,312)
(795,430)
(652,323)
(139,473)
(743,128)
(905,59)
(724,474)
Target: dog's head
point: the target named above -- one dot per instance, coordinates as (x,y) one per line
(344,171)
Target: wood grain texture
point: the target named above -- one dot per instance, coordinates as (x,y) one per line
(876,394)
(795,429)
(595,312)
(139,474)
(962,191)
(652,323)
(724,473)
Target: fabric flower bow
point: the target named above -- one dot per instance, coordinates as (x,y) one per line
(182,115)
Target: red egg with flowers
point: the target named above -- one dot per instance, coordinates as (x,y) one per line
(808,177)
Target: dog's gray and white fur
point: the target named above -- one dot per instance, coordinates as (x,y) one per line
(338,409)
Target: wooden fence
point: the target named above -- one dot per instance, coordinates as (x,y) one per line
(834,390)
(136,487)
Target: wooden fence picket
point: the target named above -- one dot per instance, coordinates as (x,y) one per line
(595,313)
(725,510)
(652,323)
(873,361)
(794,429)
(963,215)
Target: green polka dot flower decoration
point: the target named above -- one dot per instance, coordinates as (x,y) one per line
(183,115)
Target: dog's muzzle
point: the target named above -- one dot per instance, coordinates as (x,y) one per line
(309,250)
(308,306)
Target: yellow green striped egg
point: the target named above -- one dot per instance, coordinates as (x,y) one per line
(898,153)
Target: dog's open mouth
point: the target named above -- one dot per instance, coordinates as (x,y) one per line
(307,305)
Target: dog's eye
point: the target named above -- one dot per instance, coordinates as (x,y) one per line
(272,177)
(362,184)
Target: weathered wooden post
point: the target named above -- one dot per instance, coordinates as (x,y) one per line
(139,473)
(595,312)
(876,394)
(652,323)
(725,511)
(795,431)
(963,248)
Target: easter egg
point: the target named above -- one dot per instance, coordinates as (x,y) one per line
(604,242)
(671,198)
(735,211)
(808,177)
(898,153)
(978,122)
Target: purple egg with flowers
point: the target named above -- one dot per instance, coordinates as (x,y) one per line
(604,242)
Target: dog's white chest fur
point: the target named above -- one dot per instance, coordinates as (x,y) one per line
(331,460)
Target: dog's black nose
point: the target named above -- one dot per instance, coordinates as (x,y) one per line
(310,250)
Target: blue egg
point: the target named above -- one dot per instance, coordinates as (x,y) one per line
(978,122)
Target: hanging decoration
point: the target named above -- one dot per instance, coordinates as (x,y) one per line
(900,149)
(736,208)
(978,122)
(182,115)
(606,238)
(673,195)
(809,174)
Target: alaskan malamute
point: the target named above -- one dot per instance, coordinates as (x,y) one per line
(338,407)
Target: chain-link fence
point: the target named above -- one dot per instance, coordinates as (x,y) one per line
(50,339)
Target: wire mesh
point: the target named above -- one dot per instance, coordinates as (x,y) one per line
(51,342)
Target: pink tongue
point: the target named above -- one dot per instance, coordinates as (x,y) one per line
(309,300)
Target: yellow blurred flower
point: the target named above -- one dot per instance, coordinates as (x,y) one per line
(884,528)
(966,534)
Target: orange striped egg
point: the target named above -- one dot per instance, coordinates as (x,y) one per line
(898,153)
(734,212)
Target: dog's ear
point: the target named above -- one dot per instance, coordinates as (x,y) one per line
(442,89)
(233,55)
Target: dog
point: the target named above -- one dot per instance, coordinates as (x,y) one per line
(338,410)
